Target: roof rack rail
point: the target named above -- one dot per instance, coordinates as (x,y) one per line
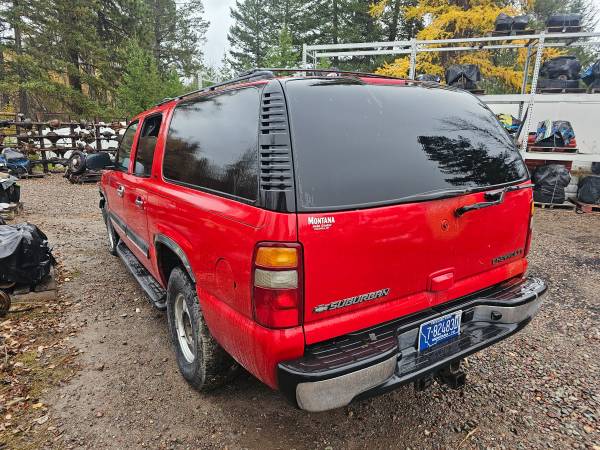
(335,71)
(250,75)
(261,73)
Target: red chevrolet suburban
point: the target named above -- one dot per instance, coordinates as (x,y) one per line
(337,236)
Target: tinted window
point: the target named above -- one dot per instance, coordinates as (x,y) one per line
(124,152)
(213,143)
(357,144)
(146,146)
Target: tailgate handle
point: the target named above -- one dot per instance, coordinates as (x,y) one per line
(494,198)
(441,281)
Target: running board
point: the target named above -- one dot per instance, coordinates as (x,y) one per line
(155,292)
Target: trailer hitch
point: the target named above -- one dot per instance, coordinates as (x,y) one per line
(452,376)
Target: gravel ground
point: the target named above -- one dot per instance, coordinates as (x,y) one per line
(538,389)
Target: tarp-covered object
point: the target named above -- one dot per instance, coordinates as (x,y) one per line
(550,183)
(563,67)
(25,257)
(557,133)
(504,22)
(589,190)
(551,83)
(16,161)
(520,22)
(591,74)
(564,20)
(464,75)
(509,122)
(10,192)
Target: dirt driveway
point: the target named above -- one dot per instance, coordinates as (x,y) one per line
(539,389)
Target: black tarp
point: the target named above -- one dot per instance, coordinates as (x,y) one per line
(25,257)
(10,192)
(563,67)
(550,183)
(589,190)
(520,22)
(463,75)
(504,22)
(564,20)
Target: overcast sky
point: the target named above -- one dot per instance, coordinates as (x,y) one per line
(217,11)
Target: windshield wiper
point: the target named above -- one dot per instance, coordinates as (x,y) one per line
(494,198)
(434,195)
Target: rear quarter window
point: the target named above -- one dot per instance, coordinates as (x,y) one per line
(360,145)
(213,144)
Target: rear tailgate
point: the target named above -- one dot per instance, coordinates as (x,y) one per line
(400,259)
(380,172)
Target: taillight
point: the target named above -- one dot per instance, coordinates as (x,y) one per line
(530,229)
(277,284)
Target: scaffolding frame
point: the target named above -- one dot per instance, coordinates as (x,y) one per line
(533,42)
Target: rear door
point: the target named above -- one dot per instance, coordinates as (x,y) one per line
(115,183)
(380,174)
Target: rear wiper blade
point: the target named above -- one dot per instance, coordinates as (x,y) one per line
(493,197)
(435,195)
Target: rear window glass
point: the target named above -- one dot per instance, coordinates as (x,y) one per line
(358,145)
(213,143)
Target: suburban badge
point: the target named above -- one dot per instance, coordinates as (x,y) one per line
(352,300)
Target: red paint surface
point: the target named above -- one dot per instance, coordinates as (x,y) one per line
(421,252)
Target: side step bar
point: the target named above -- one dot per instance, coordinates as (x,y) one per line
(155,292)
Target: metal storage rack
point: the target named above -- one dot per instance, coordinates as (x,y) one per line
(532,42)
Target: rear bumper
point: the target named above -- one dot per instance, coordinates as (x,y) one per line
(331,374)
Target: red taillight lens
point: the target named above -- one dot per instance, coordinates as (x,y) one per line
(277,285)
(529,230)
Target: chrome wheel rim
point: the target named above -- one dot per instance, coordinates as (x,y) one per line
(183,327)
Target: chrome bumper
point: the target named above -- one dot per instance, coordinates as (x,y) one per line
(485,321)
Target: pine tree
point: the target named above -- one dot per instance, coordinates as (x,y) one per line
(178,31)
(283,55)
(142,84)
(251,35)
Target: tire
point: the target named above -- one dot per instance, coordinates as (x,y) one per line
(112,236)
(76,162)
(201,360)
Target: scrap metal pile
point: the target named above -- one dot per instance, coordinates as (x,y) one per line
(56,145)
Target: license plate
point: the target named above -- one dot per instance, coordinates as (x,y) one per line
(439,330)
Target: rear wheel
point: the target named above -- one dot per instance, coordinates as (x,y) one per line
(201,360)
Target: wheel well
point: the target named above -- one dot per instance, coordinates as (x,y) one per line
(166,260)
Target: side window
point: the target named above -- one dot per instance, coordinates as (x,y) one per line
(213,143)
(146,146)
(124,151)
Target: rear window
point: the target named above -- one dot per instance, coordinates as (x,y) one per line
(213,144)
(360,145)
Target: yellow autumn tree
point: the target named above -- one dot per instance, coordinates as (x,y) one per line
(449,19)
